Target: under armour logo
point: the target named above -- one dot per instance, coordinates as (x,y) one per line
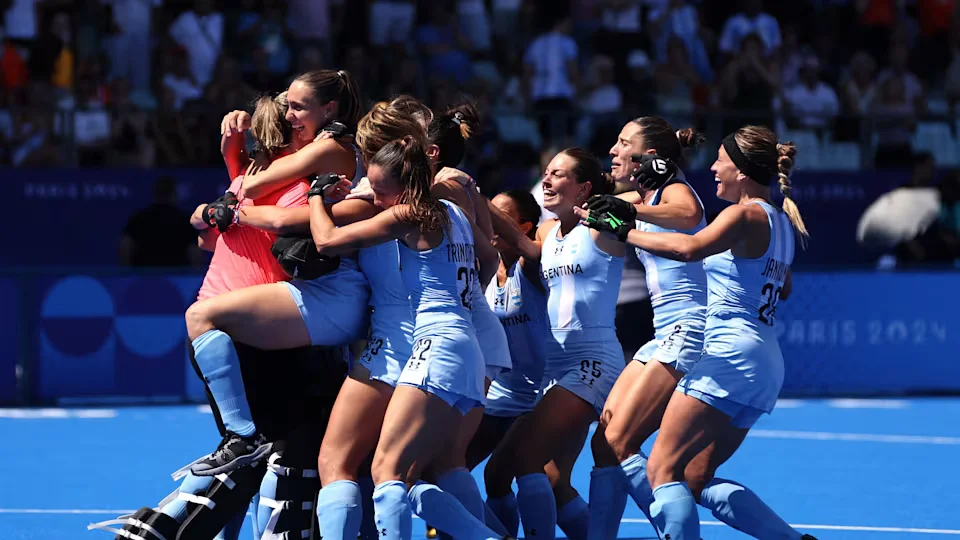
(558,250)
(500,301)
(383,532)
(660,166)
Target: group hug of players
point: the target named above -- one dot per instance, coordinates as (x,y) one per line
(488,331)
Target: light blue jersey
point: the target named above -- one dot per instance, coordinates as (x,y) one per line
(446,358)
(678,292)
(390,340)
(583,282)
(741,360)
(521,307)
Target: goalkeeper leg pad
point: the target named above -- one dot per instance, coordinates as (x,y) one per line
(287,498)
(144,524)
(229,494)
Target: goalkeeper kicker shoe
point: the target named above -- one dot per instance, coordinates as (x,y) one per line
(234,452)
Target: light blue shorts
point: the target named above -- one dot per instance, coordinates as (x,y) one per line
(588,370)
(490,333)
(448,365)
(741,416)
(678,346)
(334,307)
(389,343)
(507,399)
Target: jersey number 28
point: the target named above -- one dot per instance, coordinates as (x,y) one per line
(466,275)
(768,311)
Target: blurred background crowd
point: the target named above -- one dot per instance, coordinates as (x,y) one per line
(857,84)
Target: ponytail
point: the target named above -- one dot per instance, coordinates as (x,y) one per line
(268,126)
(785,154)
(406,160)
(450,132)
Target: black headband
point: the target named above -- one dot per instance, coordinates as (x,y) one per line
(759,173)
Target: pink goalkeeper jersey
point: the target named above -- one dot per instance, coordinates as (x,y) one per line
(242,257)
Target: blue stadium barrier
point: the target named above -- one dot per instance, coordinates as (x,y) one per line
(97,204)
(118,336)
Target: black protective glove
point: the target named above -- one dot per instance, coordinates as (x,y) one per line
(222,213)
(654,172)
(320,182)
(609,223)
(610,204)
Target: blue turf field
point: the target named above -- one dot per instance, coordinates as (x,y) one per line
(842,469)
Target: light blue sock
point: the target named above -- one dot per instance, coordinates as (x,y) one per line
(507,512)
(638,485)
(674,512)
(573,518)
(742,509)
(490,520)
(339,510)
(252,510)
(268,490)
(368,526)
(194,485)
(444,511)
(460,483)
(538,507)
(392,511)
(232,530)
(217,359)
(608,500)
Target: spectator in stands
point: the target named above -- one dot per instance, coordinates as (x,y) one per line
(912,87)
(621,31)
(936,17)
(551,76)
(442,46)
(640,90)
(160,235)
(748,84)
(678,19)
(13,67)
(812,104)
(176,79)
(310,23)
(200,32)
(857,92)
(311,58)
(894,119)
(474,24)
(129,145)
(952,82)
(391,21)
(750,21)
(228,91)
(680,87)
(129,41)
(875,19)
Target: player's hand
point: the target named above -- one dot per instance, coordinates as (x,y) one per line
(326,185)
(455,175)
(605,222)
(235,122)
(613,205)
(362,191)
(654,172)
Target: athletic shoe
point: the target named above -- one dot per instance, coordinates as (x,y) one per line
(234,452)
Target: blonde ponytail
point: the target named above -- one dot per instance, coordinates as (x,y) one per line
(268,125)
(785,154)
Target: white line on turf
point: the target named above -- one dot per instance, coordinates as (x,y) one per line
(800,526)
(856,437)
(52,413)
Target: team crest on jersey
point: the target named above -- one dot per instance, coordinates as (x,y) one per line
(515,299)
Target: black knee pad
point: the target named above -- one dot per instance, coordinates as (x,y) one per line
(292,508)
(229,494)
